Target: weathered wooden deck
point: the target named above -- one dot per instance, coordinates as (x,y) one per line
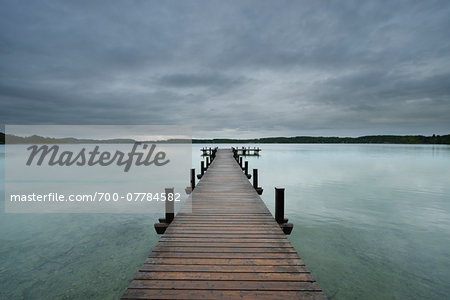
(229,247)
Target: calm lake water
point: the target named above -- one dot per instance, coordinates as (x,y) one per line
(370,221)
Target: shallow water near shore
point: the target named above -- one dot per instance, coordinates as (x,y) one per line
(370,221)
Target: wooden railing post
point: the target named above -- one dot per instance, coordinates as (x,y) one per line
(170,207)
(279,205)
(169,211)
(192,179)
(202,170)
(258,189)
(279,211)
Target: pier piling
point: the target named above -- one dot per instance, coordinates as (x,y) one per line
(170,207)
(258,189)
(279,205)
(192,179)
(246,170)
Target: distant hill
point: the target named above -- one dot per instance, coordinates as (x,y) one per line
(370,139)
(36,139)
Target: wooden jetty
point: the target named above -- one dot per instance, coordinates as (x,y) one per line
(247,151)
(241,151)
(208,151)
(228,247)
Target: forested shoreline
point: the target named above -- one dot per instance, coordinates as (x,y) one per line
(370,139)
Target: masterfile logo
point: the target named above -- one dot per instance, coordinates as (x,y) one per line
(80,168)
(91,158)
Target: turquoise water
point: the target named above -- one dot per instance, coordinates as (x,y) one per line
(70,256)
(370,221)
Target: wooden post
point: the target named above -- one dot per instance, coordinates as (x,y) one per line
(279,211)
(207,163)
(240,162)
(170,212)
(279,205)
(246,168)
(258,189)
(192,179)
(202,170)
(215,152)
(170,207)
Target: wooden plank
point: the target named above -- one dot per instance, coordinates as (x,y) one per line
(225,230)
(224,276)
(222,268)
(225,285)
(227,236)
(160,248)
(227,247)
(226,261)
(222,255)
(222,245)
(220,294)
(223,240)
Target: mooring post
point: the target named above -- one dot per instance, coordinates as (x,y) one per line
(246,168)
(207,163)
(214,153)
(279,211)
(170,207)
(240,162)
(202,170)
(279,205)
(258,189)
(192,179)
(170,212)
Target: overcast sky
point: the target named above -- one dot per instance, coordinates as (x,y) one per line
(229,68)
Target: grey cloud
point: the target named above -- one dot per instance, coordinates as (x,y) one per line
(198,80)
(247,68)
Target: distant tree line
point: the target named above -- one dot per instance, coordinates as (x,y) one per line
(370,139)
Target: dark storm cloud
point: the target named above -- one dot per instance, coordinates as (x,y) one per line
(229,68)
